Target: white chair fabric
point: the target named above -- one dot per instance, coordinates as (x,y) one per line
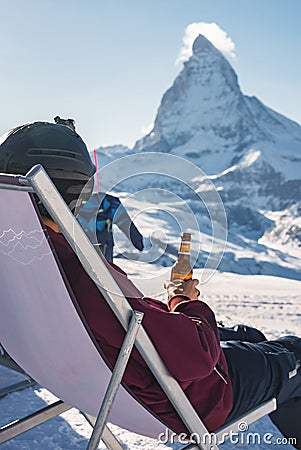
(40,327)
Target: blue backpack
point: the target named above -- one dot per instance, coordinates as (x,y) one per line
(97,214)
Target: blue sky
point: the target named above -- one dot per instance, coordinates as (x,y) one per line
(107,63)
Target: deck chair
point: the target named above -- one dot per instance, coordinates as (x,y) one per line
(44,331)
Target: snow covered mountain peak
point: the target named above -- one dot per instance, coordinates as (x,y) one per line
(205,117)
(208,57)
(251,153)
(201,45)
(204,103)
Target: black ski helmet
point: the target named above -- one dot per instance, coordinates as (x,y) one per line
(60,150)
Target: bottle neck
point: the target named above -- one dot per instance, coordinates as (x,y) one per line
(184,248)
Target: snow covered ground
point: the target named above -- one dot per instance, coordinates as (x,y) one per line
(270,303)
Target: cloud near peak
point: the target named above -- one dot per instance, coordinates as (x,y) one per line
(213,33)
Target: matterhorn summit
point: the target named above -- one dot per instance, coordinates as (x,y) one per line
(205,118)
(204,111)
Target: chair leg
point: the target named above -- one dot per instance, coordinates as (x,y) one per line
(110,440)
(108,437)
(12,430)
(17,387)
(115,380)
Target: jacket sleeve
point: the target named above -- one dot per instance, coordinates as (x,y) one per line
(125,224)
(187,340)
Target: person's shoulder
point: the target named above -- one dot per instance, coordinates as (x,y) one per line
(59,243)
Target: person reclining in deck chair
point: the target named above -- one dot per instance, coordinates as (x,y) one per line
(222,379)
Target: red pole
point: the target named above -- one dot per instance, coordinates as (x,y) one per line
(96,165)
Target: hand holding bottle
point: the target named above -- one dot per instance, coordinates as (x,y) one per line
(187,288)
(181,291)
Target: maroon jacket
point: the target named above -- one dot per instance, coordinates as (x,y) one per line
(187,340)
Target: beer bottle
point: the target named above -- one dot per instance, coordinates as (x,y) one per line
(182,268)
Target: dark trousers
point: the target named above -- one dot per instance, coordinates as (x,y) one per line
(260,370)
